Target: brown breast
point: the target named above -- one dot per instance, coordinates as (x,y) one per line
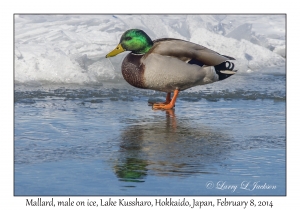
(133,70)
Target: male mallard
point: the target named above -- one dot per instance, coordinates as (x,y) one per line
(169,65)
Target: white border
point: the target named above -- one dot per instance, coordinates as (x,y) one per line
(125,6)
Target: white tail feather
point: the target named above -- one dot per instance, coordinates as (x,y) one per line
(227,72)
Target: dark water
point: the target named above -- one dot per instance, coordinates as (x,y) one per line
(103,140)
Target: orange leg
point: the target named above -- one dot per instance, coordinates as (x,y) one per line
(169,104)
(168,99)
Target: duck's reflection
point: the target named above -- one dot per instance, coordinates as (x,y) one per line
(168,146)
(132,169)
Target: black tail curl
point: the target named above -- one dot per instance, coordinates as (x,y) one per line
(225,66)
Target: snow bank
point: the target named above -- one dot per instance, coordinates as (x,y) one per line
(72,48)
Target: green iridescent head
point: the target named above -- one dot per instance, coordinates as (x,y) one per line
(134,40)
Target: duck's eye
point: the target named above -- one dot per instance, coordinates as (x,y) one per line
(128,38)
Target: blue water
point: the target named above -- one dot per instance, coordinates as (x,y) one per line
(107,141)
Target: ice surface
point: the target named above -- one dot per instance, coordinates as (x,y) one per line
(72,48)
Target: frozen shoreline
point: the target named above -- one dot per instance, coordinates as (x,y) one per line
(72,49)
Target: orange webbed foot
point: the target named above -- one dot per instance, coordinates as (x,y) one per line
(169,104)
(168,100)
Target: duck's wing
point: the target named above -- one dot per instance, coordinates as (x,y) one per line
(188,52)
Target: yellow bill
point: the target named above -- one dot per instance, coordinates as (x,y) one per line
(116,51)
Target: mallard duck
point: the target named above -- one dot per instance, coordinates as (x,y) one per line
(169,65)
